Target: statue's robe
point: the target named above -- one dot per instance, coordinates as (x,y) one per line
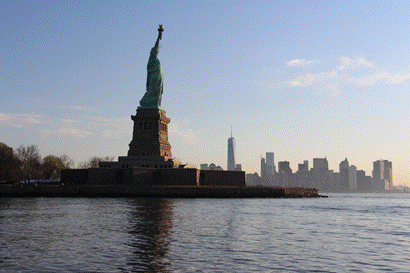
(153,94)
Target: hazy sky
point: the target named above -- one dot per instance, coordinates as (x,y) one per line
(303,79)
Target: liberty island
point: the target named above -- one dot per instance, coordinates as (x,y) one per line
(149,169)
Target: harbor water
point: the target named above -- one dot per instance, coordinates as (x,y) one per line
(342,233)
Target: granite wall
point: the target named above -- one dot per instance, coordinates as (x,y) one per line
(222,178)
(137,176)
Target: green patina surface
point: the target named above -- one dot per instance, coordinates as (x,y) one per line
(153,95)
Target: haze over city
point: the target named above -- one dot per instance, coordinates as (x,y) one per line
(300,79)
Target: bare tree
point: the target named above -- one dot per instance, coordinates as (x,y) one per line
(94,162)
(83,165)
(67,162)
(30,161)
(52,166)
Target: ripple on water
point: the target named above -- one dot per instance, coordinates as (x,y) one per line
(338,234)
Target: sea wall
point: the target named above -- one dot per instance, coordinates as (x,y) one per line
(74,176)
(152,176)
(222,178)
(296,192)
(132,190)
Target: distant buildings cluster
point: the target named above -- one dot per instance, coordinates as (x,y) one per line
(213,167)
(348,179)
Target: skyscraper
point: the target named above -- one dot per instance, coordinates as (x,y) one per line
(382,175)
(352,170)
(263,170)
(320,164)
(320,174)
(343,165)
(303,167)
(283,167)
(231,153)
(344,177)
(270,163)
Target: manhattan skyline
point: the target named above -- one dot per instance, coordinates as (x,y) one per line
(300,79)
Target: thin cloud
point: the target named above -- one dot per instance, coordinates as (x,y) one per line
(325,83)
(383,77)
(310,79)
(74,133)
(347,63)
(69,121)
(80,108)
(110,123)
(4,118)
(113,128)
(187,135)
(115,134)
(299,62)
(328,82)
(20,120)
(109,120)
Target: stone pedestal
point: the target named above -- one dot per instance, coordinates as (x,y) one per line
(150,135)
(149,147)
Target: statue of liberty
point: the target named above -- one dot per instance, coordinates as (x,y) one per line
(153,95)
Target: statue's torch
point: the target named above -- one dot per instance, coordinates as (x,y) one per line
(160,30)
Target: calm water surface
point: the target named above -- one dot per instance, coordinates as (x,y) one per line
(344,233)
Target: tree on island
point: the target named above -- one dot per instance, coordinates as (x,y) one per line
(30,161)
(9,164)
(67,162)
(52,165)
(94,161)
(26,164)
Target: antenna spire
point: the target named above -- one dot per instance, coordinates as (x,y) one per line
(231,130)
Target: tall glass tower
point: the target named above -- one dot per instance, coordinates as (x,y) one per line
(270,163)
(231,153)
(382,175)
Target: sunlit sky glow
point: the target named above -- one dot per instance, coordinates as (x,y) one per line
(303,79)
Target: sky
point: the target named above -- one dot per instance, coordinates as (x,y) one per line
(302,79)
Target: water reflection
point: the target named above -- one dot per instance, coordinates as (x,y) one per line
(150,225)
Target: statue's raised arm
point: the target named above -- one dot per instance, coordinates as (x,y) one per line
(153,94)
(160,30)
